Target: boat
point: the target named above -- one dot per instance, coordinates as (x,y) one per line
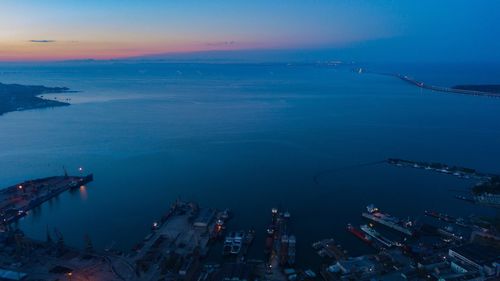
(403,226)
(269,239)
(309,273)
(373,233)
(450,233)
(249,237)
(218,229)
(286,215)
(292,241)
(228,243)
(440,216)
(236,247)
(464,198)
(461,222)
(358,233)
(237,241)
(155,226)
(225,215)
(233,243)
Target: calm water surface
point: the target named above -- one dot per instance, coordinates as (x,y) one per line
(245,137)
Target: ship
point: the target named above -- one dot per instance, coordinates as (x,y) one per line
(237,242)
(292,241)
(249,237)
(358,233)
(233,243)
(228,243)
(283,249)
(225,215)
(217,230)
(440,216)
(403,226)
(269,240)
(373,233)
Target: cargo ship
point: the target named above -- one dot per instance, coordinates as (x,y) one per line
(358,233)
(403,226)
(373,233)
(440,216)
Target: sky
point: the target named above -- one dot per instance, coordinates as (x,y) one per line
(370,30)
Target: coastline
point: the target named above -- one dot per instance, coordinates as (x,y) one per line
(15,97)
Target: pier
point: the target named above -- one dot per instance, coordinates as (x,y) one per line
(17,200)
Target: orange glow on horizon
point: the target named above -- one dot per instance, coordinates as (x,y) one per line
(73,50)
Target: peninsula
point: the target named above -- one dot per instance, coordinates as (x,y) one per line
(15,97)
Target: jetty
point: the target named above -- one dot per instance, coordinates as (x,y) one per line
(17,200)
(457,171)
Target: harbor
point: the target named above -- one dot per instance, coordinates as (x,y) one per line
(183,245)
(192,242)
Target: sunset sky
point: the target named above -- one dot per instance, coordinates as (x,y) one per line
(104,29)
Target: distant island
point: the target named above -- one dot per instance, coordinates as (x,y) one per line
(15,97)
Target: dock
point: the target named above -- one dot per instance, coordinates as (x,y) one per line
(17,200)
(177,242)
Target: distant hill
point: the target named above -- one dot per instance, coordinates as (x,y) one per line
(14,97)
